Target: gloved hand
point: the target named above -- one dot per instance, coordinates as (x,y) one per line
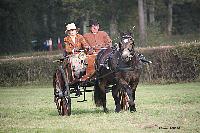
(90,51)
(143,59)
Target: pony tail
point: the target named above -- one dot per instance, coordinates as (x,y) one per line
(98,95)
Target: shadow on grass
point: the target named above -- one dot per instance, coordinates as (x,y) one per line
(87,111)
(81,111)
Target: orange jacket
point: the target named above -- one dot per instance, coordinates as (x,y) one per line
(98,40)
(79,44)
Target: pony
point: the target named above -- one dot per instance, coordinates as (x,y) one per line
(120,68)
(61,90)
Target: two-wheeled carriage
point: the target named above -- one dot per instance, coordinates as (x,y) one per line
(74,74)
(118,68)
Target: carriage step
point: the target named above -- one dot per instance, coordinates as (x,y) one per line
(74,97)
(82,101)
(88,91)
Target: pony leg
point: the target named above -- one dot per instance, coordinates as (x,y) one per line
(102,86)
(105,109)
(128,89)
(100,95)
(116,96)
(134,86)
(97,94)
(132,107)
(131,96)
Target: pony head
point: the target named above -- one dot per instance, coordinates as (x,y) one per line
(126,46)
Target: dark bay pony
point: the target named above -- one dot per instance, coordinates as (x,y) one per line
(121,69)
(61,90)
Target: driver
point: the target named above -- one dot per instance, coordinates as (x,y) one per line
(95,38)
(74,41)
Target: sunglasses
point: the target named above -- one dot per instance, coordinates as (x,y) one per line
(71,29)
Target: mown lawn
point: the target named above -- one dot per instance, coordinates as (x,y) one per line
(31,109)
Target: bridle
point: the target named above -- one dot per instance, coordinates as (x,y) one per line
(126,47)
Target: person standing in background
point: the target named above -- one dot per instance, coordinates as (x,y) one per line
(59,44)
(50,44)
(47,45)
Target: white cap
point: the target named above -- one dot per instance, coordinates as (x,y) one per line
(71,26)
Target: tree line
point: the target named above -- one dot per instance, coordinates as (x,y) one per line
(25,25)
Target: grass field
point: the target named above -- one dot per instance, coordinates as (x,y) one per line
(31,109)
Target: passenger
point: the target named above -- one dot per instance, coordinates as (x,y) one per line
(74,41)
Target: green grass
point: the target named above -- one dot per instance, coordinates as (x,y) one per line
(31,109)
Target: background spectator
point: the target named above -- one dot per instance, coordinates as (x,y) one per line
(50,44)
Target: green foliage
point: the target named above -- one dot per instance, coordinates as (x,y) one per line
(155,36)
(170,64)
(26,70)
(25,21)
(187,23)
(191,56)
(15,26)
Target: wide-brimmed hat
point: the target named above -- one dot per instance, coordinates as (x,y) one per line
(71,26)
(93,22)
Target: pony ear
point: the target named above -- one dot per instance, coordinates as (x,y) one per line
(120,45)
(130,34)
(116,45)
(121,33)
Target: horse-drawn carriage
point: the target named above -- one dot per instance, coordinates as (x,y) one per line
(117,68)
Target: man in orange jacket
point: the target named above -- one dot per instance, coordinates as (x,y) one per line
(97,39)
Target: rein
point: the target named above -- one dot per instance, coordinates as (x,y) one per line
(117,70)
(126,69)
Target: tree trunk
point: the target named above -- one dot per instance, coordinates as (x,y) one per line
(113,19)
(45,20)
(152,12)
(53,25)
(113,26)
(169,24)
(142,33)
(85,22)
(145,8)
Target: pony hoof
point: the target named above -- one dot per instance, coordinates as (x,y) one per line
(133,110)
(118,109)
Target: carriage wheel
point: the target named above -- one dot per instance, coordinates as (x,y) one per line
(63,102)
